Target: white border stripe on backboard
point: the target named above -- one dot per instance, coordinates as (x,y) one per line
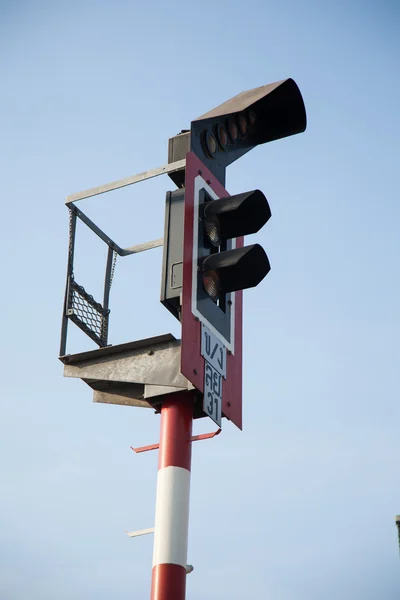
(200,184)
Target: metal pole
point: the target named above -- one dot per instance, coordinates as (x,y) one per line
(172,500)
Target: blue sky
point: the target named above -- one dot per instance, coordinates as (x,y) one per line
(300,505)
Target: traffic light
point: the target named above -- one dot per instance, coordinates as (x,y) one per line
(222,265)
(225,270)
(206,264)
(228,131)
(218,138)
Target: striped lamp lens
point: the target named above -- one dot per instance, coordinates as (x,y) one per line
(211,284)
(213,230)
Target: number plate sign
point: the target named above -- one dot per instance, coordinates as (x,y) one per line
(213,350)
(214,353)
(212,401)
(211,347)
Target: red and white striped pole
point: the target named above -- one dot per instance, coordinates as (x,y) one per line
(172,501)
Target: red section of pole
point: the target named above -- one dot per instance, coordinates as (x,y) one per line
(168,582)
(172,503)
(176,432)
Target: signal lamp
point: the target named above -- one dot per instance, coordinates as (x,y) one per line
(212,229)
(236,215)
(222,135)
(237,269)
(210,144)
(211,284)
(243,125)
(251,115)
(233,129)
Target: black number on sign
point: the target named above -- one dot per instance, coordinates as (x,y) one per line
(210,404)
(212,407)
(212,391)
(209,376)
(216,406)
(221,359)
(216,385)
(214,351)
(208,343)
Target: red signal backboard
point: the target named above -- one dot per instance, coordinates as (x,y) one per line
(211,355)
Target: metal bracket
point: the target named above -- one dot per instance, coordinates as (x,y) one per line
(195,438)
(178,165)
(110,243)
(140,532)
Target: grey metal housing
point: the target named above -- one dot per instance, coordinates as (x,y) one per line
(172,264)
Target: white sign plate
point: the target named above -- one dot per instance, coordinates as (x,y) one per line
(213,350)
(212,401)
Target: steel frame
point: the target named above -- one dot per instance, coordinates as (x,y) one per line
(71,286)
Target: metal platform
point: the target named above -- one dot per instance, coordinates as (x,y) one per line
(137,373)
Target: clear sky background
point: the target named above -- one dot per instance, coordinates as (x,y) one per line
(301,505)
